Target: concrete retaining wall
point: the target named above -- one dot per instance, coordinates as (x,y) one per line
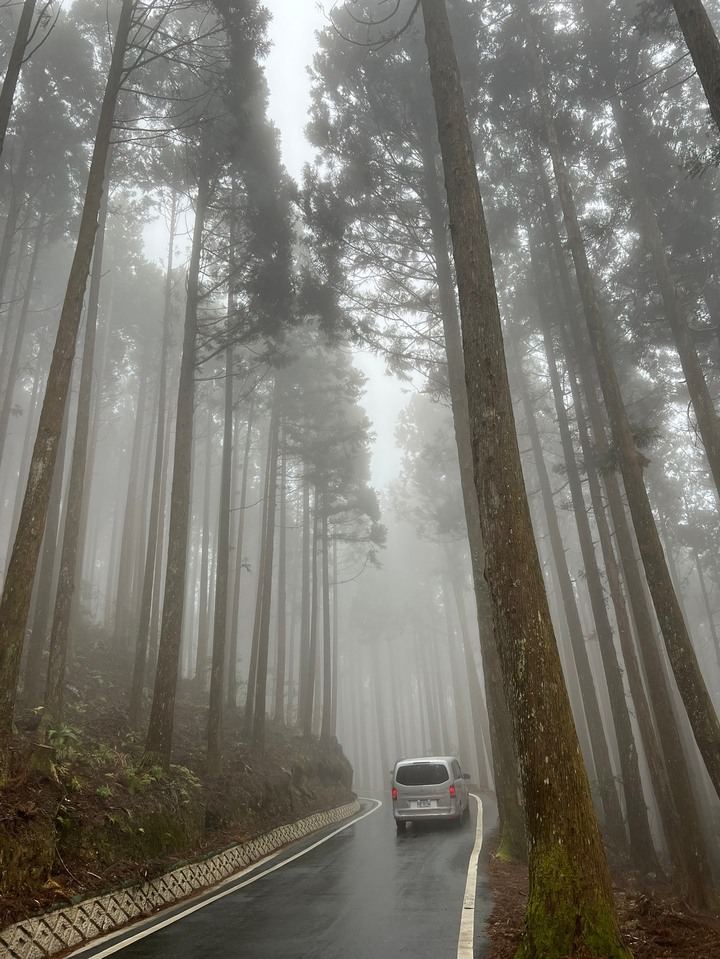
(55,931)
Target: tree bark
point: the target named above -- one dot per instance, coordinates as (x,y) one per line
(693,863)
(12,73)
(55,687)
(149,581)
(7,396)
(691,685)
(222,571)
(158,745)
(567,862)
(704,47)
(512,836)
(21,571)
(279,711)
(327,636)
(266,574)
(203,626)
(311,661)
(235,625)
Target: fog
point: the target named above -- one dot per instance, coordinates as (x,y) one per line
(250,478)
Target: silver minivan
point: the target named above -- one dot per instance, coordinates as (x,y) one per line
(433,787)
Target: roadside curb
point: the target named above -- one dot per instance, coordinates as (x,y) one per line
(54,932)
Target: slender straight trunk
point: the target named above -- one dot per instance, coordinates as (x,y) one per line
(377,683)
(17,198)
(12,73)
(704,47)
(45,580)
(614,826)
(695,868)
(128,544)
(304,604)
(159,739)
(335,643)
(249,715)
(55,687)
(708,607)
(259,724)
(101,351)
(310,665)
(512,835)
(203,629)
(279,711)
(14,366)
(222,572)
(17,588)
(641,843)
(235,623)
(691,685)
(158,584)
(460,693)
(149,581)
(11,329)
(702,403)
(326,727)
(566,859)
(482,745)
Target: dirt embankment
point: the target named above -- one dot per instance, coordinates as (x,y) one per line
(85,816)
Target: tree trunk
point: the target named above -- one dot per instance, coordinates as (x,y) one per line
(222,570)
(45,586)
(304,604)
(7,396)
(614,826)
(310,665)
(704,47)
(279,711)
(707,418)
(12,73)
(203,627)
(708,607)
(249,715)
(149,582)
(695,869)
(124,608)
(691,684)
(512,836)
(21,571)
(476,711)
(266,574)
(643,851)
(235,626)
(325,729)
(159,739)
(567,862)
(55,687)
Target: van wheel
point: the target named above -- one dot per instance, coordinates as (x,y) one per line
(400,826)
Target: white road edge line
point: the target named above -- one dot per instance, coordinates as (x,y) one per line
(231,882)
(467,917)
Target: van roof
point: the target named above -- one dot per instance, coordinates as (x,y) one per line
(427,759)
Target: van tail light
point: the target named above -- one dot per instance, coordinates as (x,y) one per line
(452,792)
(394,794)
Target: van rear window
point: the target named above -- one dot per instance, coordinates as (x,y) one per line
(422,774)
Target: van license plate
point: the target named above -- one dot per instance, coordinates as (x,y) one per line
(423,803)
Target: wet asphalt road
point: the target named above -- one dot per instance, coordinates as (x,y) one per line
(365,893)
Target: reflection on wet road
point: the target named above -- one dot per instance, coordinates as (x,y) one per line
(365,893)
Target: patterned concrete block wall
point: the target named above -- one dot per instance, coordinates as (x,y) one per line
(45,935)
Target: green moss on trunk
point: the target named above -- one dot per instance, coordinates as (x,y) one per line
(563,918)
